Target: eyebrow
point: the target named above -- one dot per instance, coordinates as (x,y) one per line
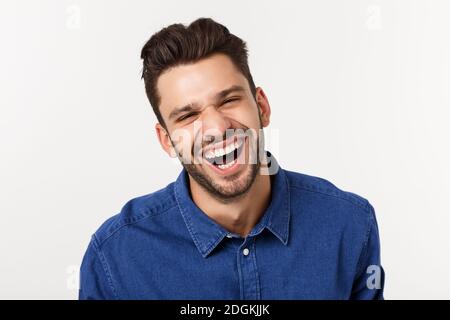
(194,105)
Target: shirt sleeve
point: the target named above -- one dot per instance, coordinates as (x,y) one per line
(95,282)
(369,280)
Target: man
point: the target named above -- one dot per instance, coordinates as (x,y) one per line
(234,225)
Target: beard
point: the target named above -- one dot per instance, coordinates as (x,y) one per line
(230,187)
(235,186)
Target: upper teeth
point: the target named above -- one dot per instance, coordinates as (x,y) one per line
(222,151)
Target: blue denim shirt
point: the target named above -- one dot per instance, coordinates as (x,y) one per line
(314,241)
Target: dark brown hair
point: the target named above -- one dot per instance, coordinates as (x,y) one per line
(177,44)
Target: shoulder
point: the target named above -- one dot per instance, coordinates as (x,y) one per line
(317,189)
(135,211)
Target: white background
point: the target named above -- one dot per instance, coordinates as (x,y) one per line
(360,94)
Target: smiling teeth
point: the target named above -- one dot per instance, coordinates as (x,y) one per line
(210,154)
(226,166)
(221,151)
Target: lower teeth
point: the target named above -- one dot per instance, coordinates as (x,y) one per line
(225,166)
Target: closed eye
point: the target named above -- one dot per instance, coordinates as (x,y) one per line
(231,100)
(191,114)
(186,116)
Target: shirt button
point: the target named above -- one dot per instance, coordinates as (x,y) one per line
(229,236)
(245,252)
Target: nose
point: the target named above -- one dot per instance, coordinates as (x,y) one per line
(213,121)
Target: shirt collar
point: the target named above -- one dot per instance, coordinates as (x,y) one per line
(207,234)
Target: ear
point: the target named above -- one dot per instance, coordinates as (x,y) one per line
(164,140)
(263,106)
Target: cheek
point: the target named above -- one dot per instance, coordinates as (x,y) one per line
(182,139)
(248,117)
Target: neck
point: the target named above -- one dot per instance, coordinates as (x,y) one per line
(240,215)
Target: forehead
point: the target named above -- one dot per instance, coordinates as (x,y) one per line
(198,81)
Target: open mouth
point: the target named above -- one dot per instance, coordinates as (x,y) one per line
(224,158)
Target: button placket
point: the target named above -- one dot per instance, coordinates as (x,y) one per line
(248,273)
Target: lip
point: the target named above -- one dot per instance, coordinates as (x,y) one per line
(239,162)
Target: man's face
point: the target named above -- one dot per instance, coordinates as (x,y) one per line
(213,124)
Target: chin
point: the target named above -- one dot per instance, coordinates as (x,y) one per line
(226,187)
